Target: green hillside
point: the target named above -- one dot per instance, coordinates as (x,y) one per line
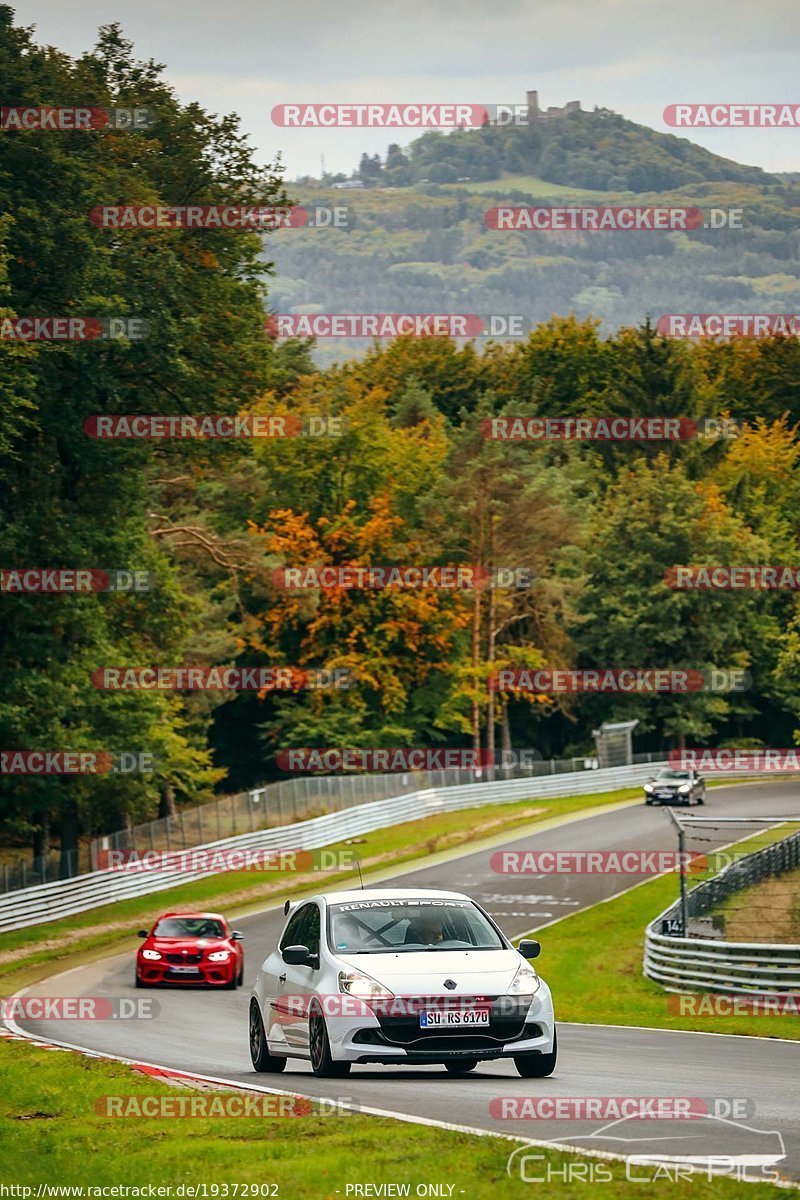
(600,150)
(428,249)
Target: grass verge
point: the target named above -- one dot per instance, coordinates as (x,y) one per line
(593,962)
(769,911)
(52,1132)
(537,187)
(28,954)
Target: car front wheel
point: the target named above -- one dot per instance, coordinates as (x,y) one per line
(260,1056)
(537,1066)
(319,1046)
(460,1066)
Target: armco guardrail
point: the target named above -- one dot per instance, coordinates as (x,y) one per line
(50,901)
(735,968)
(290,800)
(270,806)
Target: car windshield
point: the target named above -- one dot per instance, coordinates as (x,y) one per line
(189,927)
(668,775)
(400,926)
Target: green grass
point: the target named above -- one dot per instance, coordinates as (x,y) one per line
(27,954)
(51,1132)
(767,912)
(540,188)
(593,963)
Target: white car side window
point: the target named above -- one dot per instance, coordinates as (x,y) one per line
(293,934)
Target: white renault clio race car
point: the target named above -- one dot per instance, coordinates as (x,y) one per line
(399,976)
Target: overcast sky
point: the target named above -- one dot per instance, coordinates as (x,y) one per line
(634,56)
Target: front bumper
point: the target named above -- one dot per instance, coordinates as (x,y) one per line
(534,1040)
(212,974)
(668,798)
(517,1026)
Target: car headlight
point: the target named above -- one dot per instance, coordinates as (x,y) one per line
(648,787)
(684,788)
(219,956)
(525,982)
(150,954)
(356,983)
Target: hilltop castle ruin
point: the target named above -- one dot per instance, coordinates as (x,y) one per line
(535,113)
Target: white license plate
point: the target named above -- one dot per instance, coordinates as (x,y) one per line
(467,1016)
(185,970)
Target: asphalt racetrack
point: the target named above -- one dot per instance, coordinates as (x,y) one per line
(206,1032)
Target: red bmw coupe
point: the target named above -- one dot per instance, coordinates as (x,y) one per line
(190,948)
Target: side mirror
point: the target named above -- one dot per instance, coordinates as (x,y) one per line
(299,956)
(143,933)
(237,936)
(529,948)
(286,908)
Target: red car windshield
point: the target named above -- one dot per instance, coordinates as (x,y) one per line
(189,927)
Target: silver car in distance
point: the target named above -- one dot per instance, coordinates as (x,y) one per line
(399,976)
